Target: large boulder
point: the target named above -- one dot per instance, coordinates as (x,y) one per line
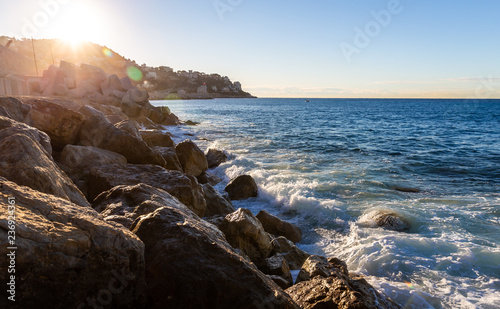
(190,265)
(67,255)
(192,159)
(276,226)
(216,203)
(60,123)
(135,95)
(185,188)
(326,283)
(99,132)
(26,162)
(215,157)
(16,109)
(170,157)
(242,187)
(156,138)
(129,126)
(294,256)
(244,231)
(277,266)
(124,204)
(10,127)
(209,178)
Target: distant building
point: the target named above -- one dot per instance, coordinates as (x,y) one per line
(237,86)
(151,75)
(202,89)
(166,69)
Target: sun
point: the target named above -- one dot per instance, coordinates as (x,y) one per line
(77,23)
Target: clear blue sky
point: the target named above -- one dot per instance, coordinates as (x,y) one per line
(278,48)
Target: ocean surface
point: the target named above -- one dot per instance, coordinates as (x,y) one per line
(328,164)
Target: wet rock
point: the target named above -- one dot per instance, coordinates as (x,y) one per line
(170,157)
(192,159)
(67,255)
(170,120)
(190,265)
(406,189)
(60,123)
(99,132)
(191,123)
(387,219)
(244,231)
(277,266)
(185,188)
(216,203)
(15,108)
(276,226)
(215,157)
(24,161)
(157,138)
(242,187)
(124,204)
(294,256)
(316,265)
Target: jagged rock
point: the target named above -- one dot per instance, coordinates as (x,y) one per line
(15,108)
(276,226)
(170,156)
(330,286)
(192,159)
(146,123)
(68,255)
(156,116)
(60,123)
(131,109)
(126,83)
(185,188)
(277,266)
(170,120)
(216,203)
(215,157)
(244,231)
(190,265)
(293,255)
(242,187)
(280,281)
(99,132)
(209,178)
(135,95)
(124,204)
(24,161)
(10,127)
(387,219)
(80,159)
(89,111)
(191,123)
(115,83)
(156,138)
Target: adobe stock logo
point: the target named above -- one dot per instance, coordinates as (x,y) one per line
(40,19)
(224,6)
(372,29)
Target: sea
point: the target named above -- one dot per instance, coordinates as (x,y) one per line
(328,165)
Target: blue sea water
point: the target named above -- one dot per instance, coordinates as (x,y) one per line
(328,164)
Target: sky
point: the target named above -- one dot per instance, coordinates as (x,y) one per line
(291,48)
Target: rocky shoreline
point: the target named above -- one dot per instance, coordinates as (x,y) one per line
(110,213)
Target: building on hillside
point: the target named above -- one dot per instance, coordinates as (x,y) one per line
(202,89)
(16,72)
(237,86)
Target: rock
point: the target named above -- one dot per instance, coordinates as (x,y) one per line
(191,123)
(60,123)
(15,108)
(276,226)
(242,187)
(280,281)
(216,203)
(316,265)
(406,189)
(215,157)
(89,111)
(387,219)
(209,178)
(190,265)
(244,231)
(146,123)
(131,109)
(170,120)
(170,157)
(135,95)
(24,161)
(126,83)
(5,113)
(157,138)
(68,69)
(156,116)
(293,255)
(338,293)
(9,127)
(277,266)
(99,132)
(131,127)
(192,159)
(124,204)
(115,83)
(67,255)
(185,188)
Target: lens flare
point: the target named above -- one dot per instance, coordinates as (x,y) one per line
(107,52)
(134,73)
(410,285)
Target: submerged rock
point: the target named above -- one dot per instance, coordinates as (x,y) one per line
(276,226)
(189,264)
(387,219)
(68,256)
(185,188)
(242,187)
